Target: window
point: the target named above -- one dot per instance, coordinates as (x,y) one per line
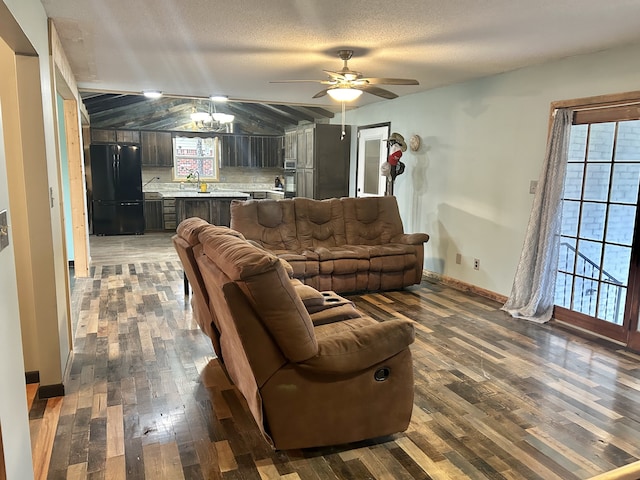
(196,155)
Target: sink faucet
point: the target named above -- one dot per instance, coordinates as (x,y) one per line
(195,174)
(152,179)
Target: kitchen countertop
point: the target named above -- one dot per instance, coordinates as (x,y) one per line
(212,193)
(208,194)
(194,194)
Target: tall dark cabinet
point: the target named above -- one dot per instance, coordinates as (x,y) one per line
(322,161)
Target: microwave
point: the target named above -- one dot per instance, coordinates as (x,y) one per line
(290,164)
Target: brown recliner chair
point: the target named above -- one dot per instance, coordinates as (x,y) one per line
(306,385)
(186,243)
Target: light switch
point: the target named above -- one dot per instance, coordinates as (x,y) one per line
(533,185)
(4,230)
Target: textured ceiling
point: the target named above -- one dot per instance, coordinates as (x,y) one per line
(200,47)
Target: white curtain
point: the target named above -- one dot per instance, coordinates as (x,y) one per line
(532,294)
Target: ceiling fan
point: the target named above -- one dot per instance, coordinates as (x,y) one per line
(346,81)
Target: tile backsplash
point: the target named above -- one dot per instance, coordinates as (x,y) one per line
(230,178)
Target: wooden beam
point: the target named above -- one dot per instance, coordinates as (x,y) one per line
(75,162)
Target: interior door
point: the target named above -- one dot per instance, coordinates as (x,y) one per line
(372,153)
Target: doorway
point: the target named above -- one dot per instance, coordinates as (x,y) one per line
(598,270)
(372,153)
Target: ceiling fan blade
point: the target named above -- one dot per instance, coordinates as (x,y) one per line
(321,93)
(335,75)
(390,81)
(380,92)
(324,82)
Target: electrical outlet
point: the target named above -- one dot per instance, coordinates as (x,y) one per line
(476,264)
(458,258)
(532,186)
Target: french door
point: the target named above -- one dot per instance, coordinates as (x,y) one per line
(598,280)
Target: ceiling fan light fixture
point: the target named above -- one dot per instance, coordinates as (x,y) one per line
(344,94)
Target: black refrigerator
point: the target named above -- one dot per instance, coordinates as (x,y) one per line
(118,202)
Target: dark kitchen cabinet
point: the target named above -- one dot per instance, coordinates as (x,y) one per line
(100,135)
(127,136)
(157,149)
(322,163)
(153,215)
(251,151)
(104,135)
(216,211)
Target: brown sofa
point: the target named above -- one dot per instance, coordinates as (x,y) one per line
(310,379)
(344,245)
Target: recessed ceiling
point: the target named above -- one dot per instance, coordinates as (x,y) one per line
(201,47)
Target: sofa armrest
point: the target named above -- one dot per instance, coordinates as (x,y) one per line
(411,238)
(359,349)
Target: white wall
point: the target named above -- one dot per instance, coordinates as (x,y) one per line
(483,142)
(13,401)
(55,344)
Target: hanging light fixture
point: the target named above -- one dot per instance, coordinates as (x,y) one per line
(200,117)
(344,94)
(222,117)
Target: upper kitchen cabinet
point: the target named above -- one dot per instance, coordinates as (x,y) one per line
(290,142)
(251,151)
(103,135)
(157,149)
(99,135)
(127,136)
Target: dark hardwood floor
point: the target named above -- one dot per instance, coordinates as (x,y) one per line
(495,397)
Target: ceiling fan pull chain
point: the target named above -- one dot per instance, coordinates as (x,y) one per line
(343,134)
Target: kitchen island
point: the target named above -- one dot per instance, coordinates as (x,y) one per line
(166,209)
(213,206)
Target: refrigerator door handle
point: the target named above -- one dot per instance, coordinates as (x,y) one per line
(114,177)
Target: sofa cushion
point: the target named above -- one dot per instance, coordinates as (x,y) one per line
(360,348)
(267,287)
(190,228)
(319,223)
(372,222)
(270,223)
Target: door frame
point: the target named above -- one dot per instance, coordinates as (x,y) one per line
(619,106)
(360,161)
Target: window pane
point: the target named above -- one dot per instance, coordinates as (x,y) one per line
(567,254)
(620,224)
(570,213)
(626,177)
(612,302)
(577,143)
(601,137)
(615,266)
(596,185)
(592,221)
(563,290)
(584,296)
(573,181)
(589,255)
(628,142)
